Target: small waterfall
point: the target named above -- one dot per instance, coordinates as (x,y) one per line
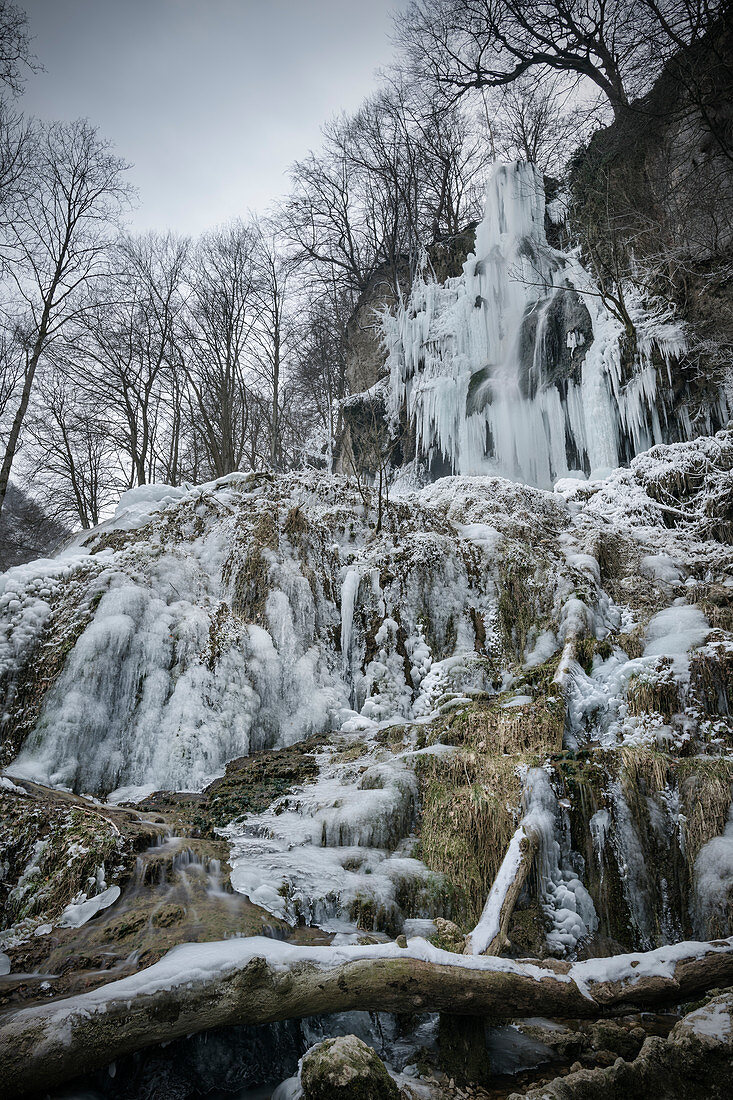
(336,853)
(516,367)
(567,904)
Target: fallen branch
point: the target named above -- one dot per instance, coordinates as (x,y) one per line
(489,937)
(196,987)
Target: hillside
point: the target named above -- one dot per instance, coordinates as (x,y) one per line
(499,662)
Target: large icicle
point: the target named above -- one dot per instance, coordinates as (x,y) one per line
(515,366)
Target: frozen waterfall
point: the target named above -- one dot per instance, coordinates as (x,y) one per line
(516,367)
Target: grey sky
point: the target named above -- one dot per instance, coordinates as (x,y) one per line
(210,100)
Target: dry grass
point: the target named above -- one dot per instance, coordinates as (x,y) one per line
(524,601)
(711,678)
(654,691)
(644,770)
(467,822)
(705,789)
(471,799)
(704,785)
(296,524)
(632,643)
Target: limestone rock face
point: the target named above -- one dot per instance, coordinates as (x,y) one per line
(345,1069)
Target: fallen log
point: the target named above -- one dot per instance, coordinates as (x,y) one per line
(196,987)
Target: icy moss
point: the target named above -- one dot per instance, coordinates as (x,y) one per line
(345,1068)
(369,916)
(469,804)
(250,580)
(711,677)
(252,783)
(654,690)
(524,604)
(706,788)
(50,854)
(587,648)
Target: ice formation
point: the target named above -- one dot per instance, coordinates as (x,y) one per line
(337,852)
(518,367)
(216,630)
(567,904)
(200,625)
(714,879)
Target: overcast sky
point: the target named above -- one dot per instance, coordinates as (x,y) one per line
(210,100)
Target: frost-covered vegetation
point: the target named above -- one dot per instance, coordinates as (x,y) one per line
(439,696)
(470,683)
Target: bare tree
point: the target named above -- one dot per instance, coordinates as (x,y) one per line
(323,217)
(320,371)
(452,157)
(618,46)
(78,473)
(16,150)
(124,343)
(536,121)
(55,243)
(16,59)
(220,319)
(274,335)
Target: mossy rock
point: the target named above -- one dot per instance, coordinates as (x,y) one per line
(448,936)
(345,1068)
(168,915)
(249,785)
(129,925)
(624,1042)
(51,851)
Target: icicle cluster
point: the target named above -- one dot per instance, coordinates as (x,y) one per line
(515,367)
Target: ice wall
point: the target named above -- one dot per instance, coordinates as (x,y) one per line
(516,367)
(256,610)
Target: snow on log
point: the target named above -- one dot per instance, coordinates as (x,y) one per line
(490,934)
(196,987)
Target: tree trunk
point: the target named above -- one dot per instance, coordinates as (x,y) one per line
(257,981)
(275,403)
(12,444)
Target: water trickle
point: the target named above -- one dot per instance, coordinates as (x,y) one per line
(566,902)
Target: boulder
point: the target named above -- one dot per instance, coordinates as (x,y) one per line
(694,1063)
(345,1069)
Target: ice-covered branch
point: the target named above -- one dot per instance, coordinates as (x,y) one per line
(490,934)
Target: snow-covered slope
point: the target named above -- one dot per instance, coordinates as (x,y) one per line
(255,610)
(494,650)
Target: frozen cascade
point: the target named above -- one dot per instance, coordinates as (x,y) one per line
(713,882)
(566,902)
(335,853)
(633,867)
(248,614)
(599,825)
(515,366)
